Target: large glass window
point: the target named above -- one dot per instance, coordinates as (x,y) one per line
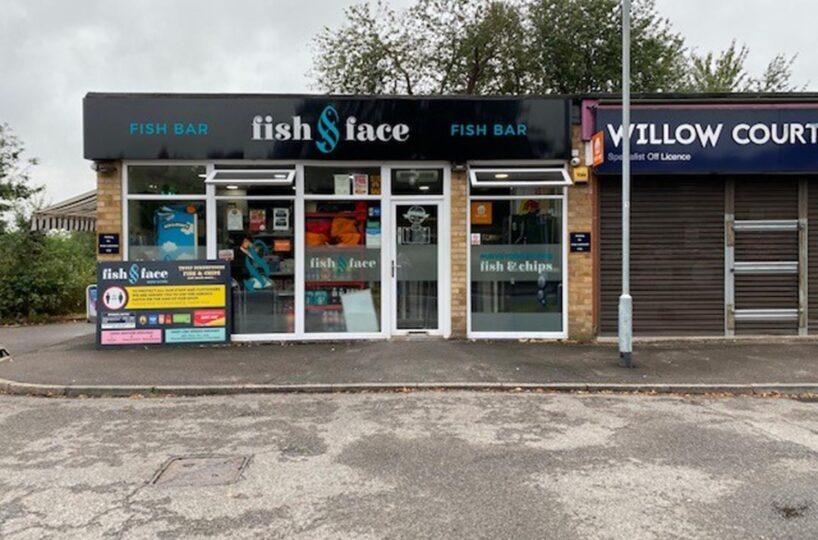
(257,237)
(516,262)
(342,270)
(166,212)
(171,230)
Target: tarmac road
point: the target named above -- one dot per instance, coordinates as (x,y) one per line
(416,465)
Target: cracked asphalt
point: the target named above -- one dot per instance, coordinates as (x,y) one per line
(414,465)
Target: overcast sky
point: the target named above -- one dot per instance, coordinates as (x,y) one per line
(53,52)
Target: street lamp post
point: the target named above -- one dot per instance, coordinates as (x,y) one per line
(625,300)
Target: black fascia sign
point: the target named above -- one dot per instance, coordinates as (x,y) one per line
(262,127)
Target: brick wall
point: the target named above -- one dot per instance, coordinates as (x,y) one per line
(581,267)
(109,207)
(459,191)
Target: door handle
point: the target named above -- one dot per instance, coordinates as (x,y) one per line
(394,266)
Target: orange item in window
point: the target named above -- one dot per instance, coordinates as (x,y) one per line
(321,226)
(349,239)
(316,239)
(342,226)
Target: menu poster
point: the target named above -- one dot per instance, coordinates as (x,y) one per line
(341,184)
(258,220)
(360,184)
(282,245)
(235,219)
(375,185)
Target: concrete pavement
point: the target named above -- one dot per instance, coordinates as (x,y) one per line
(61,359)
(422,465)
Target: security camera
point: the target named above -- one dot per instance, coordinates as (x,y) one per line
(575,161)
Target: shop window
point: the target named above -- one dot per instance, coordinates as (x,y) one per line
(417,182)
(257,238)
(170,230)
(516,265)
(342,181)
(166,180)
(342,269)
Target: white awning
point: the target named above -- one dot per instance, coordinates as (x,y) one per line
(519,177)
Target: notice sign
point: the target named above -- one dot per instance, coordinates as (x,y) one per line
(164,302)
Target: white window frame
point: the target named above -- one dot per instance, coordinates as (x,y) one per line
(300,197)
(127,198)
(563,195)
(444,242)
(563,171)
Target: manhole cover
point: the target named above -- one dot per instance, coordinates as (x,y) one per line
(201,471)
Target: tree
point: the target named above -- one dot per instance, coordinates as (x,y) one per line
(15,184)
(726,72)
(435,46)
(518,47)
(577,45)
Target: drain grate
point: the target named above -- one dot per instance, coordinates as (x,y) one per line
(201,471)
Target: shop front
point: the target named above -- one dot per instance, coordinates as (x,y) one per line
(724,216)
(347,217)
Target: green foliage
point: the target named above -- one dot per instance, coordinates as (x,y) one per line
(578,47)
(44,275)
(15,186)
(726,72)
(518,47)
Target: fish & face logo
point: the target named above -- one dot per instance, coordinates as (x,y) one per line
(330,130)
(133,274)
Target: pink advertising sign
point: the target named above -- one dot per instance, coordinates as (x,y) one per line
(128,337)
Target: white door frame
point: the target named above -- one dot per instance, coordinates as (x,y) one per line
(442,263)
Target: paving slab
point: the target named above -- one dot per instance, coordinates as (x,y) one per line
(69,359)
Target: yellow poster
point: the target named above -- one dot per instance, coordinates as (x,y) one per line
(179,296)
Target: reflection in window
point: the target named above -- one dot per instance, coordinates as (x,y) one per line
(342,266)
(166,230)
(166,180)
(417,182)
(516,265)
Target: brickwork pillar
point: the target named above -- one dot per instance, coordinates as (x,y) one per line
(581,266)
(459,289)
(109,206)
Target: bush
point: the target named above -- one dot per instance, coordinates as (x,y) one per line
(44,275)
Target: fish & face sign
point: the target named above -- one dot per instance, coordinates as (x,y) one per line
(160,303)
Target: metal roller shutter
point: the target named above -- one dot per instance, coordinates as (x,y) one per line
(766,235)
(677,255)
(812,255)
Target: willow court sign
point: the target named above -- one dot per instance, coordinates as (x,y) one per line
(713,139)
(179,126)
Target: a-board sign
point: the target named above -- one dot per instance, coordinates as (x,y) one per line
(580,242)
(163,303)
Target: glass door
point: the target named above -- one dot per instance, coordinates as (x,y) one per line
(416,260)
